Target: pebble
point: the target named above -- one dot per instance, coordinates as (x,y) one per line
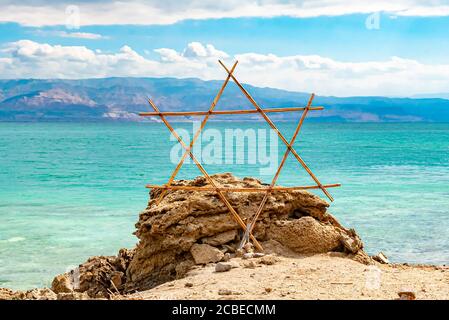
(248,247)
(268,260)
(227,292)
(247,255)
(222,267)
(249,264)
(407,295)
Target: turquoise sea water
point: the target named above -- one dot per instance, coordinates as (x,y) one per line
(69,190)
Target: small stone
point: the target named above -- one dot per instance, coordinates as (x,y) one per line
(247,255)
(222,267)
(268,290)
(352,244)
(227,292)
(258,255)
(226,257)
(268,260)
(224,292)
(204,253)
(249,264)
(248,247)
(407,295)
(61,284)
(188,284)
(381,258)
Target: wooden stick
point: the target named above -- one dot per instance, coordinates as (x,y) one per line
(195,137)
(281,136)
(281,165)
(234,214)
(238,189)
(222,112)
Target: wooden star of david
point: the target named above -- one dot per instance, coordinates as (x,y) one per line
(247,228)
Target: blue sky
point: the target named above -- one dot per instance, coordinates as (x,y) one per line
(342,43)
(343,37)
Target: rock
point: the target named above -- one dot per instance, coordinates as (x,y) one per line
(249,264)
(188,285)
(248,255)
(229,248)
(381,258)
(226,257)
(362,257)
(227,292)
(98,276)
(305,235)
(62,284)
(7,294)
(407,295)
(186,228)
(248,247)
(221,238)
(268,290)
(352,244)
(116,278)
(73,296)
(204,253)
(268,260)
(222,267)
(37,294)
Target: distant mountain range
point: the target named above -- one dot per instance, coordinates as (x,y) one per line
(121,99)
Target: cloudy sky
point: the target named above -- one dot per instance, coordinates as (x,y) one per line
(331,47)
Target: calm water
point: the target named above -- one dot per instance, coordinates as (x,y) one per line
(70,191)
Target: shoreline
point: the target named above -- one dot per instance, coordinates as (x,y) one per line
(315,277)
(325,276)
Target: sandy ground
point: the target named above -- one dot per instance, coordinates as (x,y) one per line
(326,276)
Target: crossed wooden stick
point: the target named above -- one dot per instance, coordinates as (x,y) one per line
(249,227)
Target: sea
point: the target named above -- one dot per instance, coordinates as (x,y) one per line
(69,191)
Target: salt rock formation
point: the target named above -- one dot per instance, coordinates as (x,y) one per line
(192,227)
(172,232)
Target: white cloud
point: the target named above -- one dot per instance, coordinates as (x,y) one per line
(65,34)
(309,73)
(99,12)
(79,35)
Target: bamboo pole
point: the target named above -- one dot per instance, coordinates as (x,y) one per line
(278,171)
(197,133)
(281,136)
(234,214)
(223,112)
(238,189)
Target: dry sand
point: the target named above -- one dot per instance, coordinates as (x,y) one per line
(323,276)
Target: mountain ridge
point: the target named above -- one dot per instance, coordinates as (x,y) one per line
(122,98)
